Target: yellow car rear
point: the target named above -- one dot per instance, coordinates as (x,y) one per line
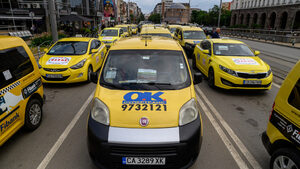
(21,89)
(282,138)
(145,100)
(231,64)
(162,32)
(110,35)
(72,60)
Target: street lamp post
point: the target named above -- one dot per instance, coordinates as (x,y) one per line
(220,12)
(12,14)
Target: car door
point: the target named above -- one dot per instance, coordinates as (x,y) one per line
(95,57)
(180,37)
(205,58)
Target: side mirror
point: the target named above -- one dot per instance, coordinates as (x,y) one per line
(256,53)
(205,51)
(45,50)
(94,50)
(94,77)
(197,78)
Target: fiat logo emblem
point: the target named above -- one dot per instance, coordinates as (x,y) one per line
(144,121)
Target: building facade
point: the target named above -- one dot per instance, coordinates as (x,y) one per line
(266,14)
(177,13)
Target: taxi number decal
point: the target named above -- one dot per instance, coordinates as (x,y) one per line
(144,107)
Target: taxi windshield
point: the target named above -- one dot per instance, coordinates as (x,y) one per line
(124,29)
(194,35)
(145,70)
(159,34)
(228,49)
(172,30)
(69,48)
(109,32)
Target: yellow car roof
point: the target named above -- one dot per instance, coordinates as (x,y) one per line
(146,42)
(155,30)
(112,28)
(174,26)
(226,41)
(10,41)
(190,28)
(83,39)
(120,26)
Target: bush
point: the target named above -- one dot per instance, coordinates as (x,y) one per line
(45,40)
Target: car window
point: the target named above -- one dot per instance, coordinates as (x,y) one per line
(15,64)
(145,70)
(159,34)
(69,48)
(194,35)
(294,98)
(109,32)
(228,49)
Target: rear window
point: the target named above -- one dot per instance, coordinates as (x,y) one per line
(15,64)
(294,98)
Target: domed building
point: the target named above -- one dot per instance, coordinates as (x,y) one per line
(177,13)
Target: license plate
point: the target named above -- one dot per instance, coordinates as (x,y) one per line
(143,160)
(54,76)
(252,82)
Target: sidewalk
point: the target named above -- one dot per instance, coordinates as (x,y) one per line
(297,45)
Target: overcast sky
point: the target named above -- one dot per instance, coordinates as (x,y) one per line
(147,6)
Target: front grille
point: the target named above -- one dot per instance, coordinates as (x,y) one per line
(55,70)
(252,76)
(56,79)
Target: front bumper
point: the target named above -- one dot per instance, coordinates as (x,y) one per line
(106,154)
(227,81)
(68,76)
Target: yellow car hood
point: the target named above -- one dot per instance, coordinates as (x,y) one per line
(158,118)
(108,38)
(57,61)
(245,64)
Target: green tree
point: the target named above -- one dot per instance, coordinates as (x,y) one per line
(155,18)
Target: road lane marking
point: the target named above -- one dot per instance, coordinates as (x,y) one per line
(229,145)
(231,133)
(276,85)
(65,134)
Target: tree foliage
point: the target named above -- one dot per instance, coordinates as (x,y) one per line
(155,18)
(210,18)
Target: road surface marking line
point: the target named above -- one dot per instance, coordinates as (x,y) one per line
(229,145)
(276,85)
(65,134)
(231,133)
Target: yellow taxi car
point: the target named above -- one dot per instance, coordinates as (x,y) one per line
(21,89)
(156,32)
(231,64)
(144,112)
(282,138)
(134,29)
(126,29)
(110,35)
(72,60)
(147,26)
(173,28)
(188,37)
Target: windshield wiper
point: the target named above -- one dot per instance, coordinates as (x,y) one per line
(156,83)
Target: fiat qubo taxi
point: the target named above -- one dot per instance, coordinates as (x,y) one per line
(110,35)
(21,90)
(282,138)
(72,60)
(231,64)
(144,113)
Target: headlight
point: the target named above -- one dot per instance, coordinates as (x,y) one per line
(100,112)
(269,73)
(79,65)
(229,71)
(188,112)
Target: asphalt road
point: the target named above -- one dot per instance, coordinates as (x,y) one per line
(233,122)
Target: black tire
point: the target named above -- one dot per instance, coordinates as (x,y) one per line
(90,71)
(287,154)
(211,78)
(34,108)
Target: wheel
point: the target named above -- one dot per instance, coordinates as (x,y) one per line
(211,78)
(285,158)
(89,74)
(194,63)
(33,114)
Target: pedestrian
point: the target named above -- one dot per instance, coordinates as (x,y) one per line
(216,34)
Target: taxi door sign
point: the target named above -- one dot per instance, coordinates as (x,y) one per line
(288,129)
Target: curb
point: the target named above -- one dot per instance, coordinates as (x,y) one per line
(294,47)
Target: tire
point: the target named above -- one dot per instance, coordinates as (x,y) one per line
(90,71)
(285,155)
(33,114)
(211,78)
